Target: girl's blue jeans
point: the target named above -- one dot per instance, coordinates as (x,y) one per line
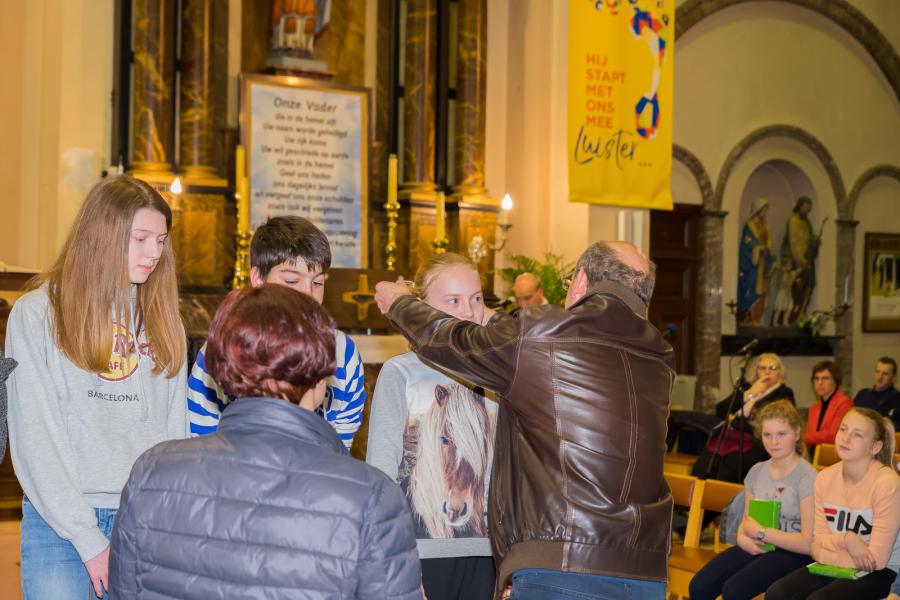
(51,568)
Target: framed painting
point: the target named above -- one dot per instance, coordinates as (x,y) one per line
(881,282)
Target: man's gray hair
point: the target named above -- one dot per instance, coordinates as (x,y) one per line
(602,263)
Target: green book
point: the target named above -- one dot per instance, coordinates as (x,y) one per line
(836,572)
(768,514)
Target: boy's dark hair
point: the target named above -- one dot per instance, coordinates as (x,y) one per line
(288,239)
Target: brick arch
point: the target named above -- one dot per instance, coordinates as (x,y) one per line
(690,160)
(841,12)
(865,178)
(794,133)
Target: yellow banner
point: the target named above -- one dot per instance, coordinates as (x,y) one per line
(620,102)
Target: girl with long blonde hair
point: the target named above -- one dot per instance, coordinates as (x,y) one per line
(857,515)
(746,570)
(101,378)
(435,436)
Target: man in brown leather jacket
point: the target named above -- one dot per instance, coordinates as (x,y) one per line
(578,505)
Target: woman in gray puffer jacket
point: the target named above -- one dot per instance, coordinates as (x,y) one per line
(271,505)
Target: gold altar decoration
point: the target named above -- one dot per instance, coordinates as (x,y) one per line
(242,197)
(393,211)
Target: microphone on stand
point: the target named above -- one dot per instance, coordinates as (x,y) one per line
(749,346)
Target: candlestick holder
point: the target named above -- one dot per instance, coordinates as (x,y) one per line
(478,248)
(390,248)
(241,259)
(440,245)
(836,311)
(732,307)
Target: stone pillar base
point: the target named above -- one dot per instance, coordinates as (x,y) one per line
(202,175)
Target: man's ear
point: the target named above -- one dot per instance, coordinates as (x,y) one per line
(255,279)
(579,285)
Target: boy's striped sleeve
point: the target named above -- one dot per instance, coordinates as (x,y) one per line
(346,392)
(206,400)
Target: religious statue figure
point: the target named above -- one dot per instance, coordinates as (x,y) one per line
(799,251)
(295,24)
(756,262)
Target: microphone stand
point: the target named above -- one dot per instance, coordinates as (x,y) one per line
(736,390)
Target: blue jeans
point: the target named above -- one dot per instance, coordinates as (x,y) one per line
(538,584)
(51,568)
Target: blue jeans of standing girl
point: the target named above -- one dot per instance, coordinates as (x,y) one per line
(51,568)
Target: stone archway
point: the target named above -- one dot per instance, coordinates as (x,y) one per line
(846,227)
(841,12)
(863,180)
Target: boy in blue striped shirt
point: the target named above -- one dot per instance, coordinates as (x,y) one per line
(293,252)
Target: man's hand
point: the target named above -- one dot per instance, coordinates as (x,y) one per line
(387,292)
(98,570)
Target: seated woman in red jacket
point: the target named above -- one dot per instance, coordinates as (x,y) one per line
(826,414)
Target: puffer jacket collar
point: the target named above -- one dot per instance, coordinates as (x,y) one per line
(282,417)
(610,288)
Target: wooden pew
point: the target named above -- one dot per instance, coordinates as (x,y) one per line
(825,456)
(698,496)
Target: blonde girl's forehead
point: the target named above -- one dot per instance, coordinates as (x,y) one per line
(778,422)
(854,420)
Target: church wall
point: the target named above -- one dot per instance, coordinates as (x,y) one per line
(62,79)
(878,211)
(824,83)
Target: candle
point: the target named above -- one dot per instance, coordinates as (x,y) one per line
(392,180)
(244,206)
(846,289)
(505,206)
(439,228)
(242,190)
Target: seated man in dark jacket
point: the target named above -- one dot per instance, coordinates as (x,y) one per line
(578,502)
(270,505)
(882,397)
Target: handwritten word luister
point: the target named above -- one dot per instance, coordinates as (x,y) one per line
(618,145)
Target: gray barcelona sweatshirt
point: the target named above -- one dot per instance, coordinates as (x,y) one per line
(74,435)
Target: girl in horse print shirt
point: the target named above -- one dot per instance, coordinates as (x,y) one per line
(435,436)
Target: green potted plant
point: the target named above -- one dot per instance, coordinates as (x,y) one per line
(550,271)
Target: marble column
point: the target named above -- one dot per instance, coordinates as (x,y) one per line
(151,99)
(709,309)
(843,325)
(471,84)
(419,86)
(196,117)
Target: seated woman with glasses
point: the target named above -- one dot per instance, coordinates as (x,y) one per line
(723,458)
(831,406)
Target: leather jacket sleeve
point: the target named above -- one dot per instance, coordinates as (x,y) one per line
(484,355)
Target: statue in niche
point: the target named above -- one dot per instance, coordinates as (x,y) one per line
(799,251)
(756,262)
(295,24)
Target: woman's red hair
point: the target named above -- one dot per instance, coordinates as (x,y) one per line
(270,341)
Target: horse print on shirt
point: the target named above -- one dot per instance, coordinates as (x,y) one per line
(448,450)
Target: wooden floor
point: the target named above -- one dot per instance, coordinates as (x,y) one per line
(10,587)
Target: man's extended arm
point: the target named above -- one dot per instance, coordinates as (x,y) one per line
(484,355)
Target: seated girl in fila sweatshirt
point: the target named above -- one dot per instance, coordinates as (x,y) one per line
(857,515)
